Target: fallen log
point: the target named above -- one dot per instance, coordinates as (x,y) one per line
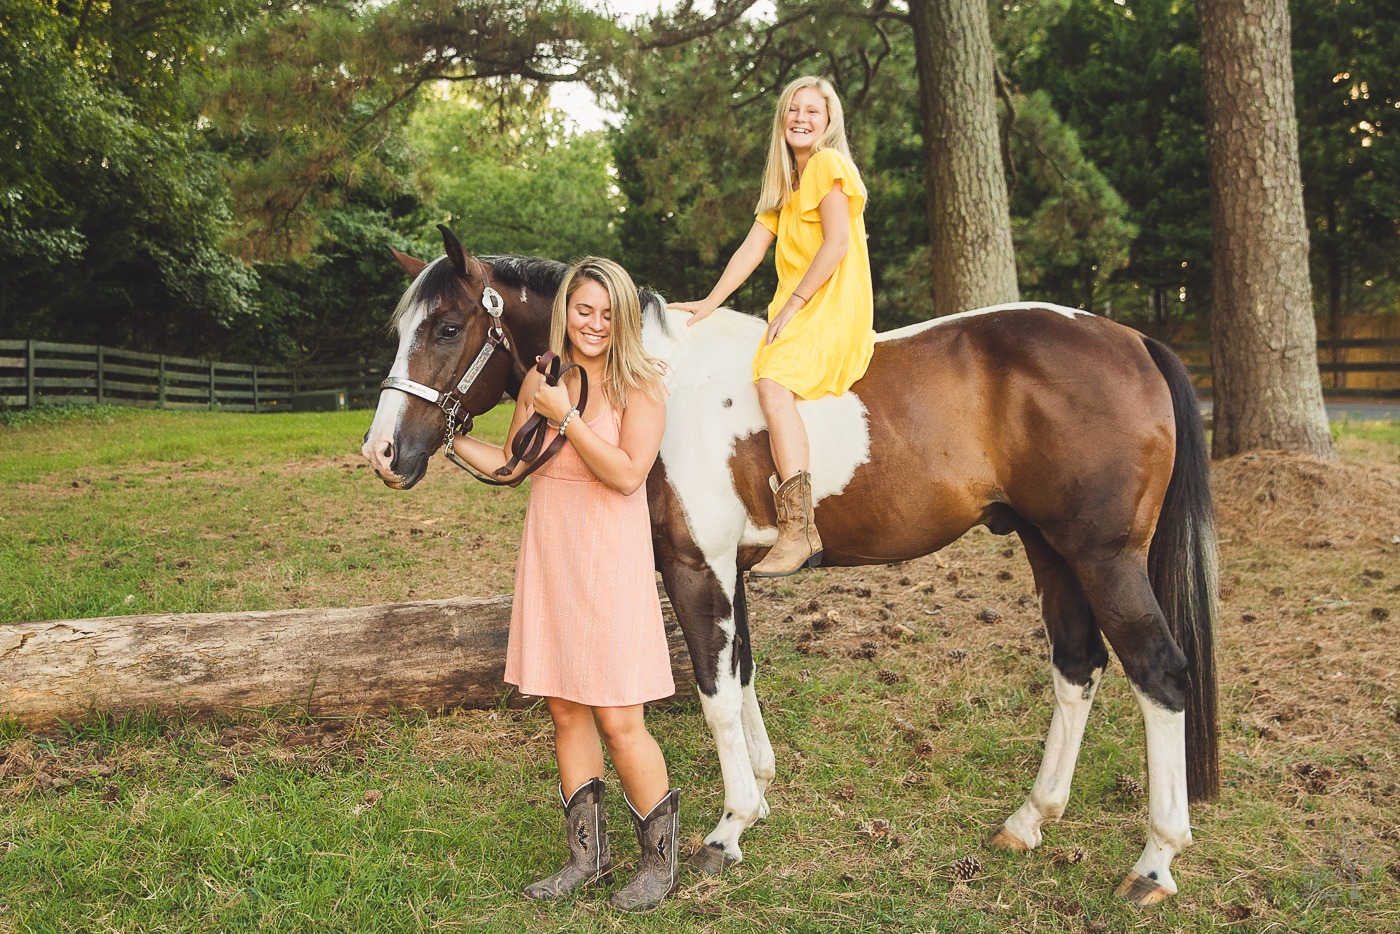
(429,655)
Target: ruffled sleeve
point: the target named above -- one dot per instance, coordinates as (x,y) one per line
(823,171)
(769,219)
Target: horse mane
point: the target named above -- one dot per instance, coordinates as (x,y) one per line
(545,276)
(530,272)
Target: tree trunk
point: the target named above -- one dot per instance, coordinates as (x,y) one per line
(969,221)
(346,662)
(1264,340)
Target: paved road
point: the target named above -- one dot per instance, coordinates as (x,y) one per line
(1349,411)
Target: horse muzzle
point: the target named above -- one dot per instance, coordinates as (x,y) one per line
(390,466)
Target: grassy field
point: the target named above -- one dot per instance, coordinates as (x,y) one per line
(894,755)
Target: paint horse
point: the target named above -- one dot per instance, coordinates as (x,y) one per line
(1079,435)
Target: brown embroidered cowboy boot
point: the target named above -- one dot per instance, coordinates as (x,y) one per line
(799,546)
(657,872)
(586,826)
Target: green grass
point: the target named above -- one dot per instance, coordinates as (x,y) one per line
(1380,432)
(145,512)
(282,823)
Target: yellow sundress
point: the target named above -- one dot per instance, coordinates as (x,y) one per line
(827,345)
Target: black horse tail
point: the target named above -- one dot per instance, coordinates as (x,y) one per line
(1181,563)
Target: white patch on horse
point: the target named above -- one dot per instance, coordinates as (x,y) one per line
(1169,822)
(1050,793)
(713,405)
(912,329)
(408,318)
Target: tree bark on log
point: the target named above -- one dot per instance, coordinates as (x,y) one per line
(427,655)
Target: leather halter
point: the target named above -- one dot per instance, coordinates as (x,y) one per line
(450,401)
(529,445)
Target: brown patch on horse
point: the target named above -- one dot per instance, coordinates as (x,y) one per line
(695,592)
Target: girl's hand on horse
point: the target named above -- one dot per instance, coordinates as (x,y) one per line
(775,327)
(698,311)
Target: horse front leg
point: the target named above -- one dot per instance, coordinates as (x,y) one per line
(755,732)
(714,620)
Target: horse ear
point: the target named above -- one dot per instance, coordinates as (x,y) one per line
(410,265)
(455,254)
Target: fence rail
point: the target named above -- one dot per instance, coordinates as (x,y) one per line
(41,372)
(1377,377)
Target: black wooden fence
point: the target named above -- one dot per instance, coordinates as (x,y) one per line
(1381,377)
(39,372)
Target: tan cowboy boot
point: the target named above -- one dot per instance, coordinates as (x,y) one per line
(657,870)
(798,545)
(590,860)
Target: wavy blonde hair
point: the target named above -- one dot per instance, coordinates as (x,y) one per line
(781,172)
(628,366)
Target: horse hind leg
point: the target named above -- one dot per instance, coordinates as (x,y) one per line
(1121,596)
(1078,659)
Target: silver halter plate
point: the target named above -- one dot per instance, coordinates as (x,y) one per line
(493,303)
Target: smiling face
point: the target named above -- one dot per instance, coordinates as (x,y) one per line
(806,119)
(589,321)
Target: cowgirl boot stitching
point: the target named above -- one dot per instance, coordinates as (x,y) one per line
(657,872)
(586,828)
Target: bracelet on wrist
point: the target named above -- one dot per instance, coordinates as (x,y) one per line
(801,298)
(568,417)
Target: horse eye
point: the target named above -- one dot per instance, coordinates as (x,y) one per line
(449,331)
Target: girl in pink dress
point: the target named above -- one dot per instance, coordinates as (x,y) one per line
(586,631)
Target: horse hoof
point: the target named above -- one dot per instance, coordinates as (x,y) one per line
(710,859)
(1003,839)
(1142,891)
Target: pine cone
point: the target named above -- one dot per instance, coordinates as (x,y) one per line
(965,867)
(888,677)
(957,655)
(1128,786)
(1075,854)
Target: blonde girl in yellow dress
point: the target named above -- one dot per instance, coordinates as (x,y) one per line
(820,336)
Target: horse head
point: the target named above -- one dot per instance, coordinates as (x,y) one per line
(455,360)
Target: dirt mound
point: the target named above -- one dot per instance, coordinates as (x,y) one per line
(1301,500)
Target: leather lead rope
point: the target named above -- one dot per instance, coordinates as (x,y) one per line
(532,445)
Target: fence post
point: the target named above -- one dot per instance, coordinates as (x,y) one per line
(101,374)
(30,394)
(212,397)
(160,393)
(255,389)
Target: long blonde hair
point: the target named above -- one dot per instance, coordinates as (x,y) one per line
(628,366)
(781,171)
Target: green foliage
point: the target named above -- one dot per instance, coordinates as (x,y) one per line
(57,414)
(514,179)
(1070,224)
(305,99)
(1126,79)
(1344,63)
(111,217)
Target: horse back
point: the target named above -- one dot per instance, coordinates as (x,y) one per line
(1062,418)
